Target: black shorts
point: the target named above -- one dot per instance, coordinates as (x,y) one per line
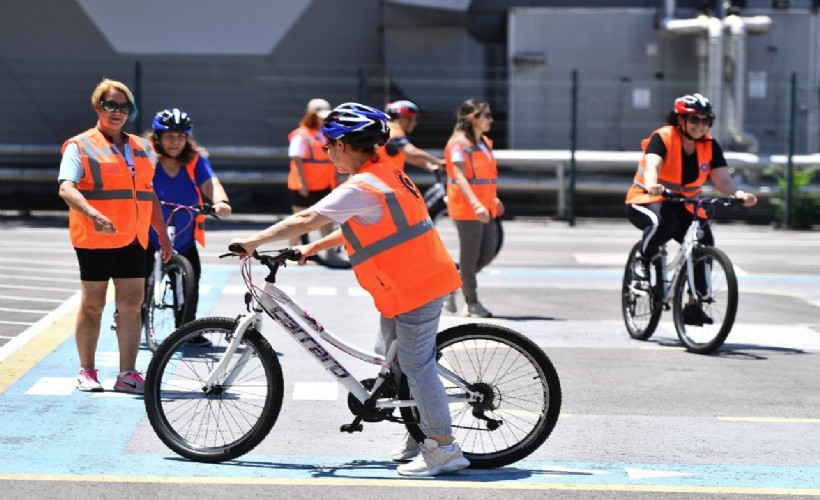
(103,264)
(297,200)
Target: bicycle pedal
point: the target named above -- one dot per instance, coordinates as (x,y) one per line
(351,428)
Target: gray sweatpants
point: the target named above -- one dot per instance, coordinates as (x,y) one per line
(477,241)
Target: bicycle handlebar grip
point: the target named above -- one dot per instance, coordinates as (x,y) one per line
(236,248)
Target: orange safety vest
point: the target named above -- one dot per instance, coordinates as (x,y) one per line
(109,187)
(670,173)
(400,260)
(400,157)
(319,171)
(199,222)
(481,173)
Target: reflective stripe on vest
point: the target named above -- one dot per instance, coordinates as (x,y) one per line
(318,170)
(670,171)
(480,172)
(199,221)
(107,183)
(404,233)
(400,259)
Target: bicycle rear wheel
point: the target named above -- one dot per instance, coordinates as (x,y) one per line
(172,307)
(449,235)
(717,297)
(640,305)
(521,389)
(235,415)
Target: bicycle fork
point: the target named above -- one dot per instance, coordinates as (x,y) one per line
(219,371)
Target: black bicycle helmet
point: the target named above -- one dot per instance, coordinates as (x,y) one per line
(173,119)
(358,125)
(694,104)
(397,109)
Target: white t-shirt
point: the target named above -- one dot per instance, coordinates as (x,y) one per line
(351,201)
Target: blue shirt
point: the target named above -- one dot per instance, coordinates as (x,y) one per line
(180,190)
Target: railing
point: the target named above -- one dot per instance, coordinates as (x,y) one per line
(522,171)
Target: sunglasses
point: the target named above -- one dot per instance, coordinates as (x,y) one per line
(111,106)
(696,120)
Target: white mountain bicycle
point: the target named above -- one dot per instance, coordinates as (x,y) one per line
(216,403)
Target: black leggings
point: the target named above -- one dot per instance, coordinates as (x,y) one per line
(662,221)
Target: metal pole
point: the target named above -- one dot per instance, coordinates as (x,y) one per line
(573,141)
(138,96)
(790,152)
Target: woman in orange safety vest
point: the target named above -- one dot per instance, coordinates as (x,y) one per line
(312,176)
(679,157)
(472,200)
(106,181)
(398,258)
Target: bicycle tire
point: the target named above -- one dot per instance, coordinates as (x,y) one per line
(522,389)
(332,258)
(226,422)
(720,306)
(446,229)
(641,307)
(175,306)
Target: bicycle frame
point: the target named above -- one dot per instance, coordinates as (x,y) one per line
(684,256)
(276,303)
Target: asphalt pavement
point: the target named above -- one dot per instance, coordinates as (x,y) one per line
(638,420)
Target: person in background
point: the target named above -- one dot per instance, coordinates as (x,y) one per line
(680,157)
(106,180)
(183,176)
(312,175)
(472,202)
(399,150)
(397,257)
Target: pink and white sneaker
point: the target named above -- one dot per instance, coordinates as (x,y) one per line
(130,382)
(87,380)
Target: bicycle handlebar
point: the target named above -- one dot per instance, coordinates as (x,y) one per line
(205,208)
(725,201)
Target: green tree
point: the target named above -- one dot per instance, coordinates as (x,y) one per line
(804,202)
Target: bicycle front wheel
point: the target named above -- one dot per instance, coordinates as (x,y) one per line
(640,305)
(520,388)
(231,418)
(704,317)
(169,303)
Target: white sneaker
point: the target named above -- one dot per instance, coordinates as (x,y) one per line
(477,311)
(434,460)
(407,451)
(87,381)
(450,303)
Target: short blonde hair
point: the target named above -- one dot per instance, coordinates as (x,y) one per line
(104,86)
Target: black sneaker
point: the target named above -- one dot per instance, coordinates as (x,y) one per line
(693,315)
(198,341)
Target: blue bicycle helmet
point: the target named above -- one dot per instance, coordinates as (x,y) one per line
(358,125)
(173,119)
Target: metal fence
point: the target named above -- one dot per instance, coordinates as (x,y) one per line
(244,108)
